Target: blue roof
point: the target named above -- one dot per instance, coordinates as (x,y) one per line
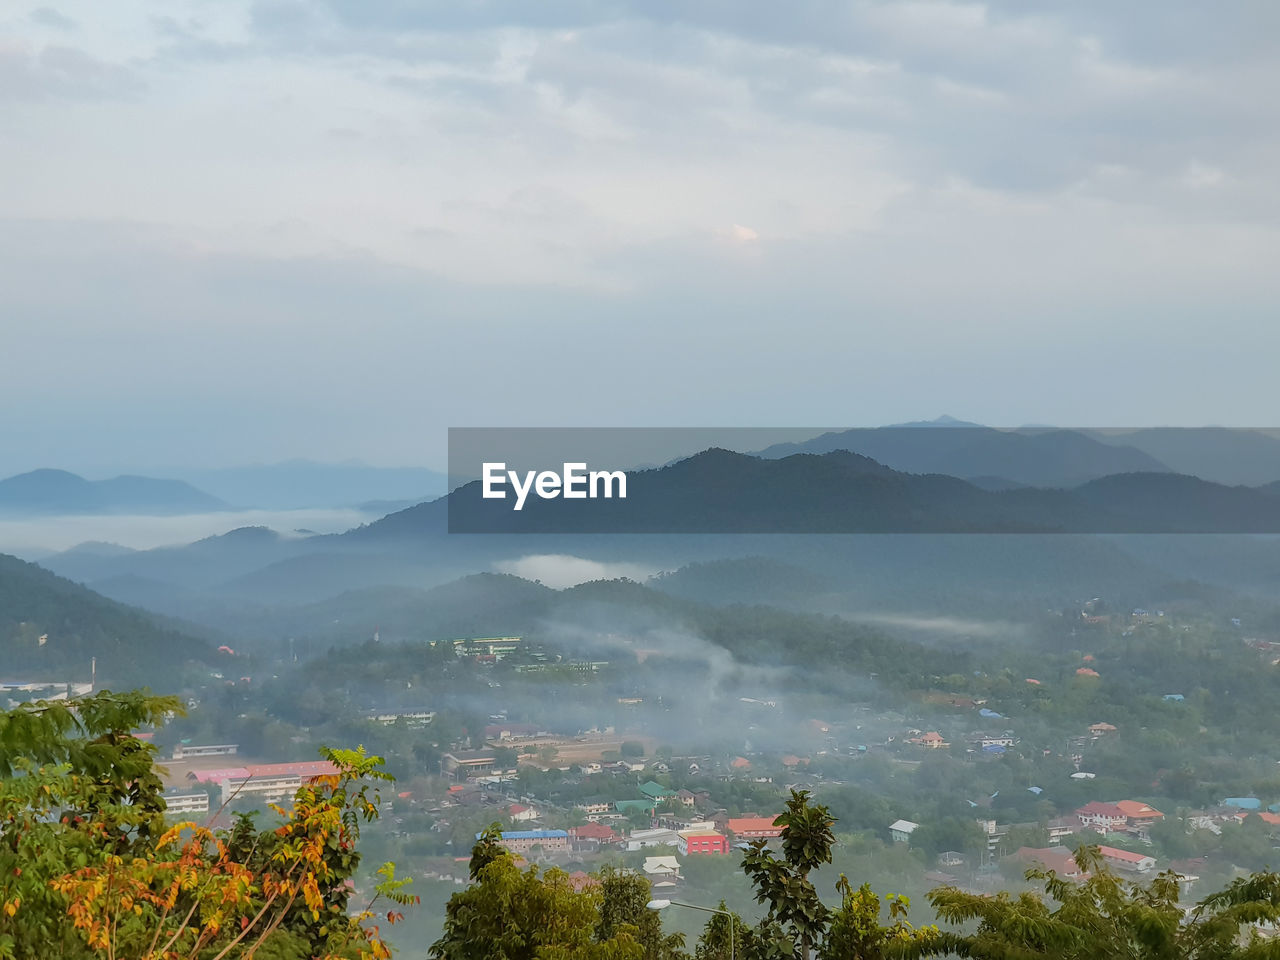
(993,748)
(530,834)
(1244,803)
(984,712)
(1174,696)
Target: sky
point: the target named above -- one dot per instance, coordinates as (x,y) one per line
(244,232)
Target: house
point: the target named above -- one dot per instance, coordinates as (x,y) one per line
(696,842)
(1101,729)
(594,805)
(686,798)
(590,836)
(753,828)
(901,830)
(1057,859)
(1141,815)
(657,792)
(740,763)
(662,868)
(930,741)
(1126,861)
(1102,817)
(952,858)
(523,841)
(634,806)
(519,813)
(1087,672)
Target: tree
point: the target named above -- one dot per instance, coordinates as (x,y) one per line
(624,907)
(784,884)
(513,914)
(1106,918)
(89,867)
(855,932)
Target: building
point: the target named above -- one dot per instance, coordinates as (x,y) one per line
(268,788)
(930,741)
(1126,861)
(514,731)
(495,647)
(594,805)
(465,764)
(662,868)
(753,828)
(1060,828)
(523,841)
(1141,815)
(901,830)
(1102,817)
(187,802)
(657,792)
(590,836)
(183,751)
(519,813)
(634,806)
(1101,729)
(640,839)
(412,718)
(697,842)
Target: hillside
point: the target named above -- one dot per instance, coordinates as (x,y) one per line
(57,492)
(131,646)
(718,491)
(1041,458)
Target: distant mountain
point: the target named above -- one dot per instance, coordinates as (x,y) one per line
(300,484)
(1219,454)
(1038,458)
(51,627)
(57,492)
(719,491)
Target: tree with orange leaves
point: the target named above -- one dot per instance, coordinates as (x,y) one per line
(90,868)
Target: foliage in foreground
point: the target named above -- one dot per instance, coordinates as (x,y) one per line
(511,913)
(90,868)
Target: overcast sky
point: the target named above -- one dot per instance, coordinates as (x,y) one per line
(236,232)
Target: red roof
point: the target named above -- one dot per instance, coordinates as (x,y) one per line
(593,831)
(1115,853)
(753,825)
(301,768)
(517,808)
(1099,809)
(1086,672)
(1143,811)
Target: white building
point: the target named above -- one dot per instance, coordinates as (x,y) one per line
(901,830)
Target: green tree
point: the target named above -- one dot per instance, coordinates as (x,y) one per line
(513,914)
(624,907)
(1107,918)
(783,884)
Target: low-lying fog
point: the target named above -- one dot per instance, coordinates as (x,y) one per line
(36,537)
(561,570)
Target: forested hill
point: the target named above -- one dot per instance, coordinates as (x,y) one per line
(77,624)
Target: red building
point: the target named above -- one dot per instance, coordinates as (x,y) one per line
(693,842)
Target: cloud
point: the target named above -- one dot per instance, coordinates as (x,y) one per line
(62,72)
(561,570)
